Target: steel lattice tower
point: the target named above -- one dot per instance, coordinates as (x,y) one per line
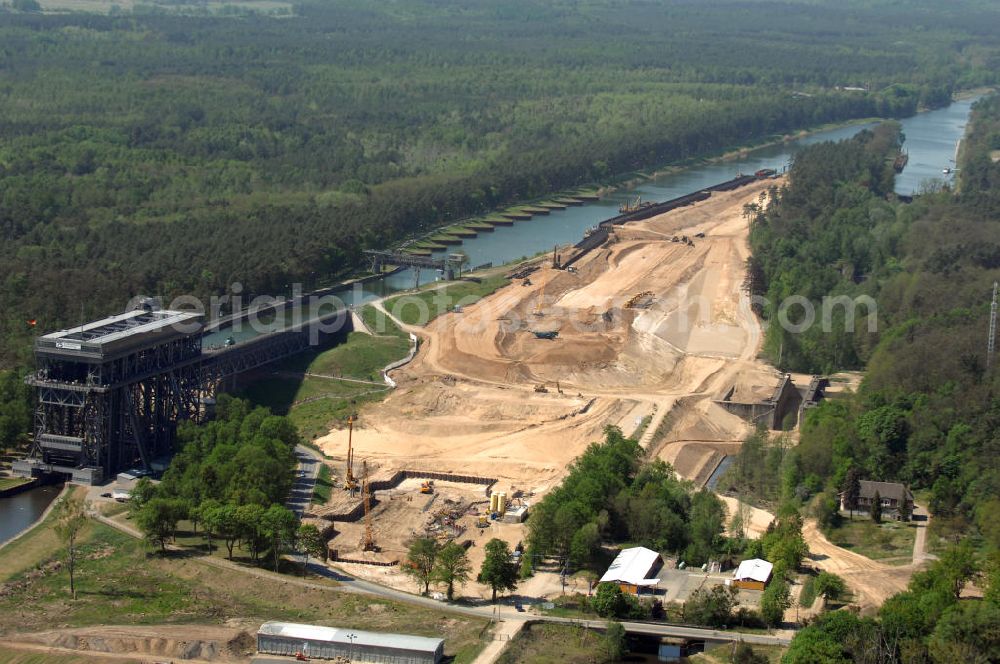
(991,342)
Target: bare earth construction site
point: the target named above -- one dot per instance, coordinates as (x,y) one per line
(648,327)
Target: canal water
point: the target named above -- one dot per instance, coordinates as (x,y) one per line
(931,140)
(20,511)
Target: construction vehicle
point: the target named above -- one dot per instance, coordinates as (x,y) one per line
(350,482)
(427,487)
(546,334)
(543,387)
(482,521)
(642,299)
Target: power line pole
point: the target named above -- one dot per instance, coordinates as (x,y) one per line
(991,343)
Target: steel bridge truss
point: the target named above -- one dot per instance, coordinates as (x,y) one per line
(124,413)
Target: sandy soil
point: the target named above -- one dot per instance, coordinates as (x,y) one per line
(198,643)
(469,402)
(872,582)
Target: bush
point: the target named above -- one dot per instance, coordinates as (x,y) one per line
(610,602)
(774,602)
(830,585)
(712,607)
(615,642)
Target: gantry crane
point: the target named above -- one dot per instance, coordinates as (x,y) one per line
(350,483)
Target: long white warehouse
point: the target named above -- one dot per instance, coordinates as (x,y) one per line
(318,642)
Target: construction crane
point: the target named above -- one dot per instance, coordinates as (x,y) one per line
(368,540)
(350,483)
(630,206)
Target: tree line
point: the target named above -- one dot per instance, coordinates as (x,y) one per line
(613,495)
(231,477)
(925,413)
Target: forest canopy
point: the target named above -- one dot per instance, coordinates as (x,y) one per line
(163,153)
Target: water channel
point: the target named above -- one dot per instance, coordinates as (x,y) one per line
(931,141)
(20,511)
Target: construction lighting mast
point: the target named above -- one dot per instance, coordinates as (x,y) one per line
(350,483)
(991,342)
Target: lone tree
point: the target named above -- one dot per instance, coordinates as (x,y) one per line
(157,520)
(714,607)
(311,541)
(452,567)
(610,602)
(615,642)
(498,572)
(71,517)
(829,586)
(905,510)
(876,510)
(225,524)
(852,489)
(420,559)
(279,525)
(773,603)
(143,492)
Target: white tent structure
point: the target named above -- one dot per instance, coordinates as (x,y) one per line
(633,569)
(753,574)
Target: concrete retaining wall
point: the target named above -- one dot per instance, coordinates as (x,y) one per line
(358,511)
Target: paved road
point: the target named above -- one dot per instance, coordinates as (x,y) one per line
(305,479)
(302,491)
(353,584)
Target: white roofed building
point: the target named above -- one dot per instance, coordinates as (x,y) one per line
(318,642)
(753,574)
(634,568)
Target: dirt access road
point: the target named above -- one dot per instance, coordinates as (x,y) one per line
(871,581)
(468,402)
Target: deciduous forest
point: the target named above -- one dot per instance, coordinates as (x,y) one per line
(151,151)
(926,413)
